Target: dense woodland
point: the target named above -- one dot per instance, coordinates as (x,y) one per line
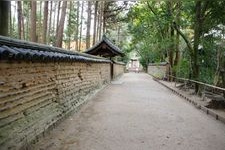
(187,34)
(75,25)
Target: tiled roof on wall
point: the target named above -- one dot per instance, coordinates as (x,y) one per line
(12,49)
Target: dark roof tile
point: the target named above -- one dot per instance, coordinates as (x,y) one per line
(115,50)
(17,49)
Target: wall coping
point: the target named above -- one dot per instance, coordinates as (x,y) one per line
(158,64)
(119,63)
(14,49)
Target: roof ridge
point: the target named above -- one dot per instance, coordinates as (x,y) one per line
(115,48)
(11,42)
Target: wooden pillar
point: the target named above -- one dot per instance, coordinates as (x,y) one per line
(111,68)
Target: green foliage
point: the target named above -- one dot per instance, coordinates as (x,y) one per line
(183,68)
(126,50)
(147,33)
(150,25)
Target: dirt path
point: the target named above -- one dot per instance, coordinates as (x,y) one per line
(136,113)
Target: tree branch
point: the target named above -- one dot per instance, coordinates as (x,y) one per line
(158,21)
(151,9)
(184,37)
(205,7)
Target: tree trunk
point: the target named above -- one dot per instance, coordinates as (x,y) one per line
(33,36)
(81,22)
(101,20)
(22,25)
(177,40)
(95,22)
(88,25)
(171,50)
(40,28)
(69,24)
(54,24)
(197,33)
(27,25)
(59,35)
(218,67)
(98,21)
(10,23)
(58,14)
(118,34)
(50,23)
(19,15)
(45,24)
(13,17)
(177,54)
(104,15)
(77,27)
(4,17)
(171,36)
(223,77)
(14,25)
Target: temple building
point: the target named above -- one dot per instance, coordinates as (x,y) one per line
(105,48)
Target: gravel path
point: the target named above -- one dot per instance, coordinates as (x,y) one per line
(136,113)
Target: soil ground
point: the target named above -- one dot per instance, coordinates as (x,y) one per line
(197,99)
(136,113)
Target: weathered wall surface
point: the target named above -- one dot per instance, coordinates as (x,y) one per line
(158,70)
(33,96)
(118,69)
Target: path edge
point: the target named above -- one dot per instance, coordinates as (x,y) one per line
(86,99)
(197,105)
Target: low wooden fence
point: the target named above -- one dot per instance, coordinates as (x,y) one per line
(205,90)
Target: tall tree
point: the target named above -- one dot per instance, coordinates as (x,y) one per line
(40,22)
(19,14)
(59,35)
(81,25)
(33,35)
(201,8)
(105,12)
(45,24)
(171,36)
(197,33)
(4,17)
(69,24)
(88,25)
(23,24)
(95,22)
(58,14)
(177,40)
(111,11)
(26,8)
(54,23)
(100,21)
(10,23)
(77,26)
(50,22)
